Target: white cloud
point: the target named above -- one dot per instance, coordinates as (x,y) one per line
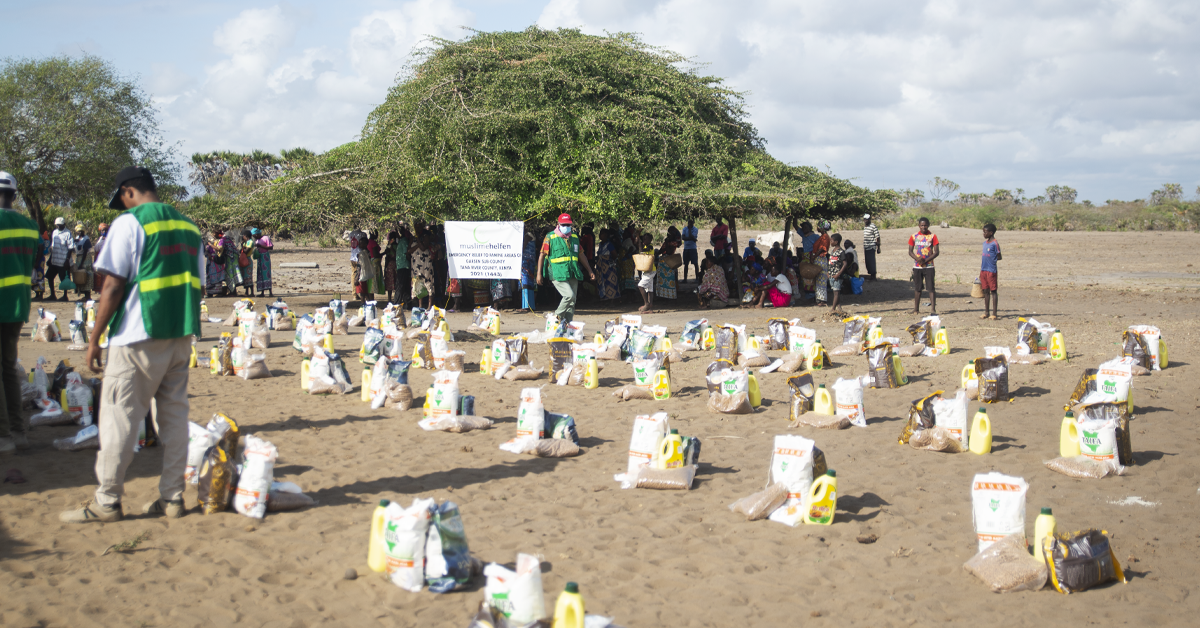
(266,92)
(999,94)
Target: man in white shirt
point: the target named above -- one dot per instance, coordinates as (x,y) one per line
(59,264)
(154,264)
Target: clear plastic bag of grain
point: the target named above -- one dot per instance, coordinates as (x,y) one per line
(629,392)
(722,403)
(936,439)
(677,479)
(1083,467)
(762,503)
(524,372)
(1006,566)
(821,421)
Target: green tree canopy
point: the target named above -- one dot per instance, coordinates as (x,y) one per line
(516,125)
(67,125)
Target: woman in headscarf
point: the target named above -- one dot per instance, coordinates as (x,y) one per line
(666,280)
(713,286)
(820,257)
(246,262)
(229,259)
(422,268)
(214,268)
(529,257)
(606,267)
(262,252)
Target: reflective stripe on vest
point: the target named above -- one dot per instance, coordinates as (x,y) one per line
(169,225)
(559,260)
(169,282)
(18,233)
(19,280)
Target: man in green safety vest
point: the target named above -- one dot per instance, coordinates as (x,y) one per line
(153,263)
(18,242)
(567,266)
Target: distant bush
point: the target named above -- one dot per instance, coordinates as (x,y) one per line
(1171,215)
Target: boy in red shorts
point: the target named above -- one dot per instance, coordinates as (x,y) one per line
(987,272)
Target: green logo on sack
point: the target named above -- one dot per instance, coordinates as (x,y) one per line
(783,466)
(995,503)
(1091,439)
(1110,387)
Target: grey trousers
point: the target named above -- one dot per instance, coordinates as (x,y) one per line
(570,292)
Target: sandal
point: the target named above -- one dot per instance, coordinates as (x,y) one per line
(984,316)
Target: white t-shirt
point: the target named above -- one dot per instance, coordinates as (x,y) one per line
(784,285)
(122,257)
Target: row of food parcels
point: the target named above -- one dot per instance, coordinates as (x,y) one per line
(234,472)
(800,487)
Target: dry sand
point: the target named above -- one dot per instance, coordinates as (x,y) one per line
(646,557)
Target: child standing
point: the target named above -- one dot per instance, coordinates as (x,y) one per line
(988,272)
(646,283)
(837,268)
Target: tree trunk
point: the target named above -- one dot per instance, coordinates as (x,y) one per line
(35,211)
(787,231)
(734,250)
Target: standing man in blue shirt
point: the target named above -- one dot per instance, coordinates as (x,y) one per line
(690,254)
(988,273)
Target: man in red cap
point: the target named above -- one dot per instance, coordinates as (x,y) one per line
(567,266)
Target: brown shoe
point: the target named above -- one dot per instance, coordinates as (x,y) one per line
(92,513)
(172,509)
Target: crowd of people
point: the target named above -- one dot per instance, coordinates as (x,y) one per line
(409,267)
(242,260)
(59,254)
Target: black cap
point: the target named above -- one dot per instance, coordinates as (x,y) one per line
(128,173)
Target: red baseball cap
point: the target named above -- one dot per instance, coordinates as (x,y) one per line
(565,219)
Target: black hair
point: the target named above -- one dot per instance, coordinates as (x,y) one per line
(990,227)
(142,184)
(849,244)
(922,219)
(245,233)
(8,196)
(836,238)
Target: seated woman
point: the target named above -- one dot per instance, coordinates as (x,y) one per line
(713,285)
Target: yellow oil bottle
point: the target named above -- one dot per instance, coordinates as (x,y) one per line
(898,366)
(305,378)
(754,343)
(981,433)
(942,341)
(1129,401)
(1068,436)
(660,385)
(427,409)
(1058,346)
(485,362)
(815,361)
(494,325)
(192,361)
(329,342)
(376,555)
(598,339)
(591,378)
(875,334)
(665,344)
(1044,526)
(366,385)
(753,390)
(968,374)
(568,610)
(823,401)
(709,339)
(821,500)
(214,360)
(1162,353)
(670,452)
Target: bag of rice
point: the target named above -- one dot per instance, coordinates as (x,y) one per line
(803,390)
(641,344)
(1027,336)
(993,378)
(920,416)
(1113,381)
(648,432)
(254,482)
(404,534)
(951,414)
(1081,560)
(256,367)
(562,357)
(1082,467)
(792,465)
(629,391)
(936,439)
(848,394)
(998,507)
(761,504)
(372,346)
(516,595)
(1006,566)
(216,476)
(921,333)
(727,344)
(882,370)
(79,336)
(447,556)
(46,329)
(1133,345)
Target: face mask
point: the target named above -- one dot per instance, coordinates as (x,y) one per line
(566,229)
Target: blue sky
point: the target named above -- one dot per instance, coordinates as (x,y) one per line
(1102,96)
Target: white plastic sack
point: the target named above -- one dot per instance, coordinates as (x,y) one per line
(848,398)
(1153,337)
(516,594)
(79,399)
(997,507)
(199,440)
(730,381)
(404,531)
(1098,441)
(531,421)
(951,414)
(1113,380)
(648,432)
(800,338)
(444,402)
(254,483)
(792,464)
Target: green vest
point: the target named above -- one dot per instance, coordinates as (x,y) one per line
(18,244)
(168,278)
(564,257)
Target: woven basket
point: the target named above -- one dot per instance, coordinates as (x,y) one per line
(976,290)
(80,277)
(673,261)
(643,262)
(809,271)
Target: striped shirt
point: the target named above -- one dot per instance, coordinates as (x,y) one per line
(870,237)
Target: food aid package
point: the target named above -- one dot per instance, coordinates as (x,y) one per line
(921,333)
(444,400)
(1118,414)
(727,344)
(1006,566)
(562,358)
(393,342)
(303,323)
(239,355)
(79,400)
(1086,385)
(228,433)
(854,330)
(259,336)
(641,344)
(1027,336)
(256,367)
(692,331)
(79,336)
(645,369)
(677,479)
(372,346)
(216,476)
(439,347)
(920,416)
(199,441)
(516,594)
(777,335)
(998,507)
(993,378)
(951,414)
(792,465)
(404,535)
(1113,380)
(648,432)
(800,338)
(515,351)
(422,354)
(531,421)
(456,424)
(86,438)
(882,370)
(803,390)
(1098,441)
(561,426)
(848,397)
(761,504)
(1083,467)
(1133,345)
(732,393)
(447,556)
(46,328)
(1081,560)
(254,482)
(936,439)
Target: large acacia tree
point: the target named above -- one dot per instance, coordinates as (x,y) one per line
(68,124)
(517,125)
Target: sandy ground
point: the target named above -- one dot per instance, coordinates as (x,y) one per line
(646,557)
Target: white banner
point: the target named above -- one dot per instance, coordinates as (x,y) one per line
(484,250)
